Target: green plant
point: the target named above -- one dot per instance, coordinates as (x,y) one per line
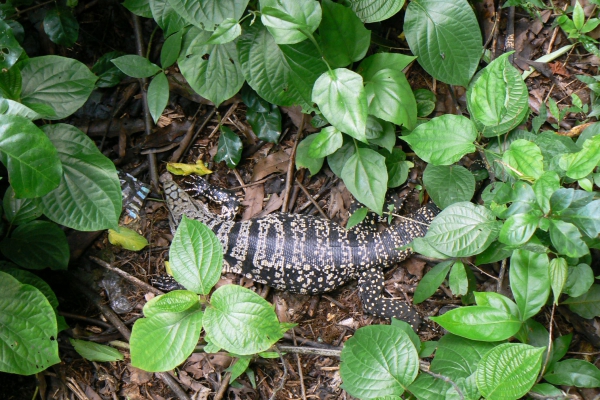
(234,318)
(576,28)
(56,171)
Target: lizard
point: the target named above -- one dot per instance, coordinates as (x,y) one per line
(301,253)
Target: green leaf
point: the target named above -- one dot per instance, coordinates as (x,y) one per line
(457,357)
(136,66)
(61,26)
(240,366)
(479,323)
(290,20)
(89,195)
(127,239)
(495,252)
(341,98)
(208,13)
(497,301)
(457,280)
(365,176)
(344,39)
(579,280)
(566,239)
(573,372)
(108,73)
(558,276)
(529,281)
(448,184)
(303,157)
(545,389)
(28,278)
(405,326)
(28,344)
(171,49)
(586,305)
(173,302)
(525,158)
(578,16)
(32,162)
(463,229)
(390,96)
(240,321)
(196,256)
(508,371)
(378,361)
(95,351)
(230,147)
(397,168)
(167,18)
(163,341)
(443,140)
(63,84)
(37,245)
(226,32)
(425,102)
(581,164)
(10,80)
(587,218)
(375,10)
(20,211)
(266,125)
(431,281)
(338,160)
(544,188)
(282,75)
(446,38)
(518,229)
(158,96)
(357,217)
(325,143)
(11,48)
(376,62)
(138,7)
(498,100)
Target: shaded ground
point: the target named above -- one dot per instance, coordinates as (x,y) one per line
(323,322)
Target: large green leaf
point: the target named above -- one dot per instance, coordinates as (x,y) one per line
(518,229)
(575,372)
(63,84)
(89,195)
(463,229)
(544,187)
(558,270)
(240,321)
(480,323)
(28,343)
(365,176)
(457,357)
(390,97)
(212,70)
(166,17)
(326,142)
(158,96)
(448,184)
(341,98)
(303,157)
(163,341)
(580,278)
(566,239)
(226,32)
(37,245)
(280,74)
(446,38)
(196,256)
(29,278)
(11,48)
(32,161)
(579,165)
(497,301)
(586,305)
(431,281)
(378,361)
(585,218)
(443,140)
(206,14)
(529,281)
(344,39)
(499,99)
(11,81)
(508,371)
(289,21)
(138,7)
(173,302)
(61,26)
(525,158)
(375,10)
(95,351)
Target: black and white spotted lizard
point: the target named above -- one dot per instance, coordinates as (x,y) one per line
(300,253)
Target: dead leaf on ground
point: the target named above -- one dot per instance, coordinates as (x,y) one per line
(559,69)
(253,201)
(138,376)
(273,204)
(276,162)
(414,267)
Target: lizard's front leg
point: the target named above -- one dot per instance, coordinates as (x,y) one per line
(370,287)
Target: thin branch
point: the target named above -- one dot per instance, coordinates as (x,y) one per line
(127,276)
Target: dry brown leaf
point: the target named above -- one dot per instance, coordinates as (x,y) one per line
(559,69)
(253,201)
(276,162)
(414,267)
(273,204)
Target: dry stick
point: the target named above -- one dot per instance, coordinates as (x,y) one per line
(283,378)
(183,149)
(127,276)
(312,200)
(300,373)
(501,276)
(224,385)
(444,378)
(225,117)
(139,46)
(543,371)
(290,171)
(311,351)
(92,321)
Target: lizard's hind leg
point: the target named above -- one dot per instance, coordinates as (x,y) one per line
(370,290)
(196,185)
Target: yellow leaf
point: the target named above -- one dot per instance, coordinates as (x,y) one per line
(187,169)
(127,239)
